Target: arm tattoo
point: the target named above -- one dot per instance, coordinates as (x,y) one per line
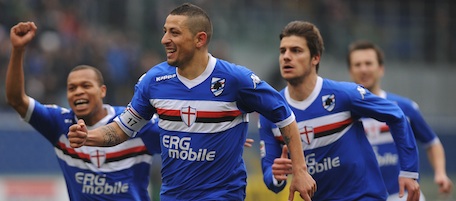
(286,135)
(286,139)
(110,136)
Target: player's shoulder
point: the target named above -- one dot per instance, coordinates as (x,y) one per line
(341,86)
(397,97)
(63,111)
(235,74)
(117,109)
(159,72)
(160,69)
(402,101)
(223,66)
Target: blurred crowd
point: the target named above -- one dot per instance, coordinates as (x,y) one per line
(122,38)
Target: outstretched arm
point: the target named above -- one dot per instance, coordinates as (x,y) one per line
(436,157)
(302,181)
(105,136)
(20,35)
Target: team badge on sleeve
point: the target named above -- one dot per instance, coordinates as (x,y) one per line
(217,85)
(256,80)
(329,101)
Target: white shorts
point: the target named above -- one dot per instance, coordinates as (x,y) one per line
(395,197)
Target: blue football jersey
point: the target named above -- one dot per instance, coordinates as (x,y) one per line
(338,154)
(203,125)
(379,135)
(97,173)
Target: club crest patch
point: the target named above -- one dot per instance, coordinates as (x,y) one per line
(98,158)
(307,134)
(188,115)
(329,102)
(217,85)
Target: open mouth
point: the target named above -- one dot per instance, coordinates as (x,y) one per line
(81,102)
(169,52)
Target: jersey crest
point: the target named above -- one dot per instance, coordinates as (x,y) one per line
(188,115)
(307,134)
(217,85)
(98,158)
(329,102)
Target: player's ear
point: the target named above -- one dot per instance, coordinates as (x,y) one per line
(315,59)
(382,70)
(201,39)
(103,90)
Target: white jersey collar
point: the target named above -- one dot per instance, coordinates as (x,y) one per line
(111,114)
(207,72)
(382,94)
(302,105)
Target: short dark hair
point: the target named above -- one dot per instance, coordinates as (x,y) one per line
(308,31)
(198,20)
(365,45)
(98,74)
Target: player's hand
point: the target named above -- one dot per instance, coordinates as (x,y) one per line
(445,184)
(282,166)
(412,187)
(303,183)
(22,33)
(77,134)
(248,142)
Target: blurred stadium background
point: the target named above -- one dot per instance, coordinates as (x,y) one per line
(122,39)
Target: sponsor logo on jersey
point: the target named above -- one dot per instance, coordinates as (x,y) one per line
(361,91)
(97,184)
(256,80)
(98,157)
(217,85)
(188,115)
(326,164)
(329,101)
(307,134)
(180,148)
(386,159)
(165,77)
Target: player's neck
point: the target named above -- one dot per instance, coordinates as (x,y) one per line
(299,91)
(195,67)
(98,115)
(377,90)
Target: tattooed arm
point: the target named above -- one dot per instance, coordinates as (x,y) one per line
(302,181)
(105,136)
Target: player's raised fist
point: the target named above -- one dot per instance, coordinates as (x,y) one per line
(77,134)
(22,33)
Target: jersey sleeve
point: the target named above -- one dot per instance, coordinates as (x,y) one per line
(257,95)
(422,130)
(270,149)
(366,104)
(139,112)
(46,119)
(151,136)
